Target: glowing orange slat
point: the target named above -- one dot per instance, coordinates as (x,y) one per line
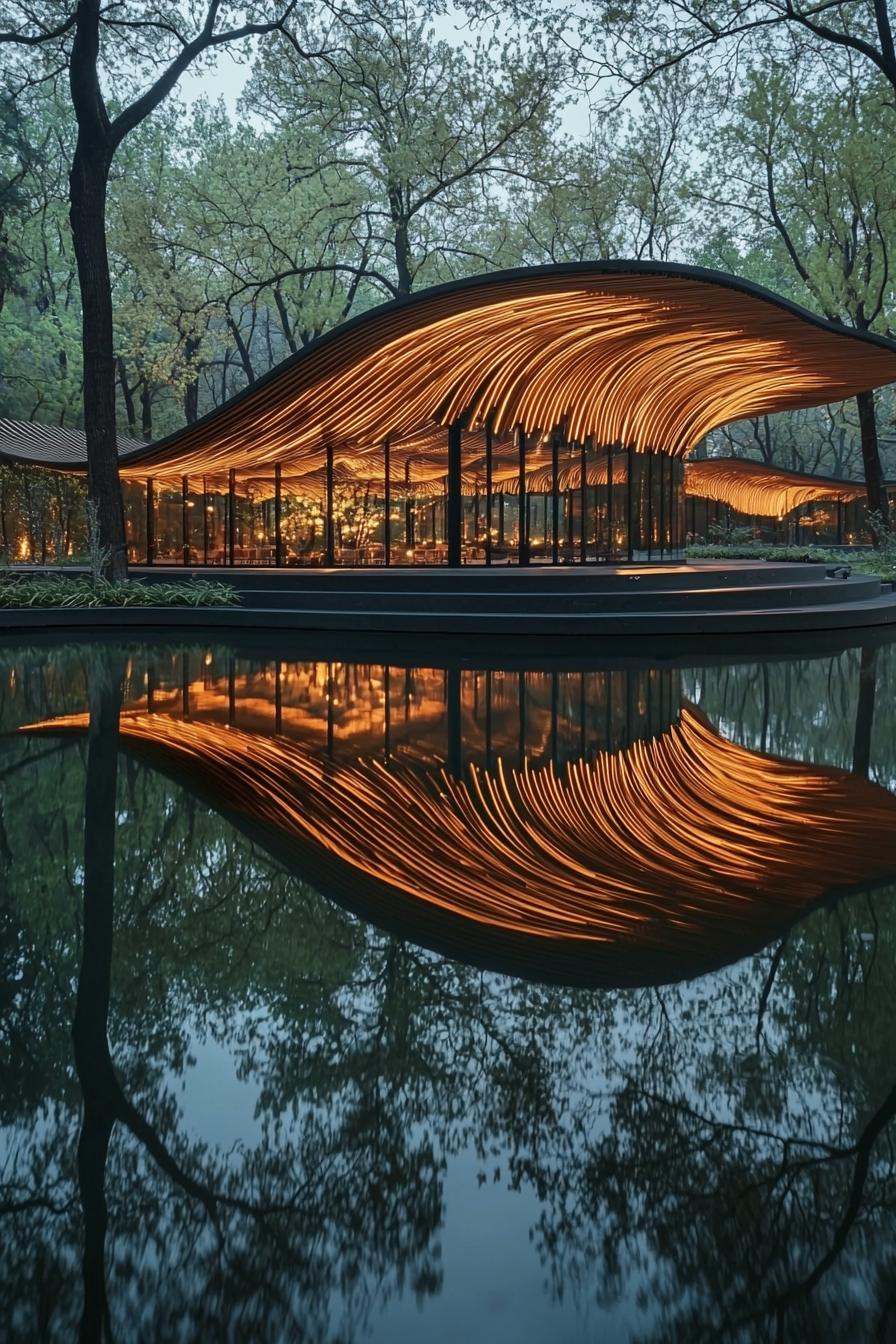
(758,490)
(643,359)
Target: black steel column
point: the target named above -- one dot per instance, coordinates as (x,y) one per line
(555,497)
(523,537)
(150,521)
(839,522)
(611,540)
(663,547)
(650,504)
(630,497)
(387,503)
(584,502)
(488,490)
(231,516)
(410,539)
(205,507)
(330,555)
(278,514)
(454,503)
(185,518)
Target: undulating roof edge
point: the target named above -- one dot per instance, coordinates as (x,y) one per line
(132,453)
(419,298)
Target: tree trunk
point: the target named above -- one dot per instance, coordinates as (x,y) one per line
(127,393)
(191,390)
(861,750)
(146,412)
(191,402)
(93,1062)
(874,476)
(89,174)
(242,349)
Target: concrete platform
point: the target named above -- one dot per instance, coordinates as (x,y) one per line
(703,599)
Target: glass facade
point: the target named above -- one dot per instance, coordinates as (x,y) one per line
(822,522)
(556,504)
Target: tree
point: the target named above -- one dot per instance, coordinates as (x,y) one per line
(97,46)
(436,134)
(620,193)
(808,171)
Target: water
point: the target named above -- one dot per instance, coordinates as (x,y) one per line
(496,1002)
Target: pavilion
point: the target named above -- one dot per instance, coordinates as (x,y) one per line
(602,834)
(533,415)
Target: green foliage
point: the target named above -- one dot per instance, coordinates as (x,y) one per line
(64,591)
(880,561)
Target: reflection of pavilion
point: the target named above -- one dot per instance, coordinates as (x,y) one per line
(610,837)
(536,414)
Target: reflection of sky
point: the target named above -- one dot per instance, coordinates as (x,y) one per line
(695,1042)
(494,1287)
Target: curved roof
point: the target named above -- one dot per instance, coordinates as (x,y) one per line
(23,441)
(658,862)
(644,354)
(760,490)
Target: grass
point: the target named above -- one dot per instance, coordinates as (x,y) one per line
(881,563)
(82,591)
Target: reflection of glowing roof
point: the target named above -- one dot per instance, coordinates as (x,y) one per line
(649,355)
(648,864)
(759,490)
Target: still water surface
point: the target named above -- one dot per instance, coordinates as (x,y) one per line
(342,1001)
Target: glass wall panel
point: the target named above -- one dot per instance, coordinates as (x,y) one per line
(168,525)
(196,529)
(134,496)
(303,526)
(618,504)
(214,535)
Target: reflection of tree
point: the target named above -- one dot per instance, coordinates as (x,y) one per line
(744,1189)
(742,1181)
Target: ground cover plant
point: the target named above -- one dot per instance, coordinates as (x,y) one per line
(881,561)
(56,590)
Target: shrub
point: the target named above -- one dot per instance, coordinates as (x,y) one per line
(83,591)
(881,562)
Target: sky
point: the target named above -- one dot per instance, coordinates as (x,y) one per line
(227,78)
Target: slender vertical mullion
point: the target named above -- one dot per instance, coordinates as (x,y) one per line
(185,519)
(231,516)
(387,503)
(409,538)
(611,552)
(150,521)
(555,497)
(330,552)
(631,473)
(488,490)
(663,547)
(650,504)
(523,538)
(583,503)
(454,502)
(278,515)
